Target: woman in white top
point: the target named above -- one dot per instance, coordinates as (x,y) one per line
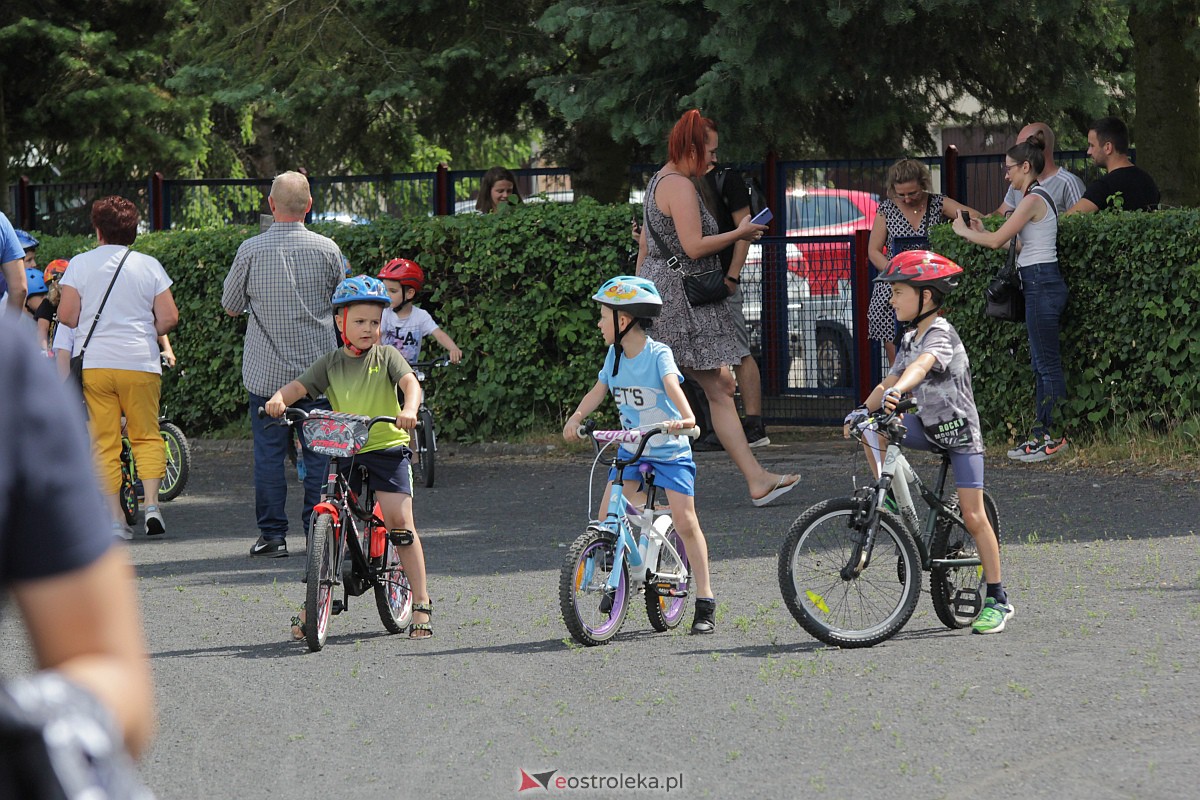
(121,367)
(1035,224)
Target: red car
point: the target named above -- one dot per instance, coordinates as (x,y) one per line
(826,212)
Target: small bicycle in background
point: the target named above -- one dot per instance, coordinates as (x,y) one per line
(349,544)
(424,436)
(607,564)
(849,569)
(179,466)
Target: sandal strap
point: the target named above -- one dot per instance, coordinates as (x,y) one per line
(426,608)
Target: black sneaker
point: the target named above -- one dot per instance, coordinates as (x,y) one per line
(708,444)
(756,435)
(269,548)
(703,622)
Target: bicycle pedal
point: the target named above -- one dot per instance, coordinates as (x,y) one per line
(400,537)
(338,606)
(606,602)
(667,590)
(967,603)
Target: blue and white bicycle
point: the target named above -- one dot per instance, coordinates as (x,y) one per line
(608,563)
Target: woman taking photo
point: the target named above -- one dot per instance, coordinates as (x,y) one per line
(121,366)
(1035,224)
(909,211)
(702,338)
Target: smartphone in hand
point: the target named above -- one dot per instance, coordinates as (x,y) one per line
(763,217)
(966,216)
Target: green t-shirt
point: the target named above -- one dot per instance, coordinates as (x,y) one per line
(363,385)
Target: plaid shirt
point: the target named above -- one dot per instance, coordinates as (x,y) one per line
(285,278)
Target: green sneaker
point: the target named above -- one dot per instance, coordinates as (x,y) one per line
(993,616)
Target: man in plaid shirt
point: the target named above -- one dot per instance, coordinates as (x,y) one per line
(284,279)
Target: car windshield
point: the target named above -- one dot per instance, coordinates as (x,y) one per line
(820,211)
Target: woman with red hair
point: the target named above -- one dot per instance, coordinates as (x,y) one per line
(703,338)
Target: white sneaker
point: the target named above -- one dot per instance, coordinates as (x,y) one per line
(122,531)
(154,522)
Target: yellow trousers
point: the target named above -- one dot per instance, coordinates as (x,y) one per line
(109,394)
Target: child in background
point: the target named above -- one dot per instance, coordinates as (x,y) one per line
(643,379)
(362,378)
(404,324)
(47,313)
(932,364)
(35,302)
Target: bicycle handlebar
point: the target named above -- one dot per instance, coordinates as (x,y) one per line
(884,419)
(641,437)
(444,361)
(293,415)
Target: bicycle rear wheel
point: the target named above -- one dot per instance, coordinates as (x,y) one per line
(426,446)
(592,613)
(666,612)
(319,584)
(179,461)
(957,592)
(128,492)
(859,611)
(393,595)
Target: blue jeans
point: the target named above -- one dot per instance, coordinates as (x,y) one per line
(1045,300)
(271,442)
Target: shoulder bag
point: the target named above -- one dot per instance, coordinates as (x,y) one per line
(77,361)
(701,288)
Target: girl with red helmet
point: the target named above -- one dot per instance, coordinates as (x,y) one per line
(932,365)
(404,324)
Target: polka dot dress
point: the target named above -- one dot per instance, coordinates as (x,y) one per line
(881,319)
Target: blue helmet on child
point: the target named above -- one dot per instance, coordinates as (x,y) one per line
(35,281)
(635,296)
(26,241)
(361,289)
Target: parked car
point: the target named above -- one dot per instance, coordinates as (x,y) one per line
(827,212)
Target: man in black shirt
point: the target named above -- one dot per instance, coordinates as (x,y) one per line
(1124,186)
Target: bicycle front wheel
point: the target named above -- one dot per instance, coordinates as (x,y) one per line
(393,595)
(957,592)
(128,492)
(319,584)
(859,611)
(593,613)
(666,601)
(426,445)
(179,461)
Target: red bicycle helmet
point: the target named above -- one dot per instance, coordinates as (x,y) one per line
(405,272)
(922,268)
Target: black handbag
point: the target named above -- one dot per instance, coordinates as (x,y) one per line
(1005,300)
(77,361)
(702,288)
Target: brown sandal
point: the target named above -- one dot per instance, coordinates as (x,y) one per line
(298,631)
(427,627)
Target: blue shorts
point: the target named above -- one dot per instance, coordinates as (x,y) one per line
(678,475)
(968,467)
(388,470)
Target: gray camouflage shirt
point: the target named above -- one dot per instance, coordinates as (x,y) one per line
(945,400)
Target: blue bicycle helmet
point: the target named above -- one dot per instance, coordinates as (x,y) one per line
(636,296)
(361,289)
(36,282)
(27,242)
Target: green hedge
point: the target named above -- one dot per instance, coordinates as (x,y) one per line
(512,290)
(1131,336)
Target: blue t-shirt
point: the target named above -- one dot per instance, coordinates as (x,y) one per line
(10,248)
(640,391)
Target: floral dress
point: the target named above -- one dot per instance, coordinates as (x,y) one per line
(881,319)
(704,337)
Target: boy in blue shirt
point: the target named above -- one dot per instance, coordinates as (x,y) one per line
(362,378)
(643,379)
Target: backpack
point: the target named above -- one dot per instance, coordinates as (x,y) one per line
(754,192)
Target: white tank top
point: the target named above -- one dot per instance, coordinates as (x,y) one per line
(1039,239)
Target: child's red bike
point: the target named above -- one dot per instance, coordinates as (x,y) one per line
(348,544)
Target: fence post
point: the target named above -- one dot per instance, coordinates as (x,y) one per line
(775,189)
(156,201)
(24,208)
(950,185)
(867,368)
(441,191)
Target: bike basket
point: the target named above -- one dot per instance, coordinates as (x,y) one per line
(332,434)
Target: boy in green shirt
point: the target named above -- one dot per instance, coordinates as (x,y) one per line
(361,378)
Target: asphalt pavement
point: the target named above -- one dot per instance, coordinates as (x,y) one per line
(1090,693)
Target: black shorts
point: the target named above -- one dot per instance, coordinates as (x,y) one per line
(387,470)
